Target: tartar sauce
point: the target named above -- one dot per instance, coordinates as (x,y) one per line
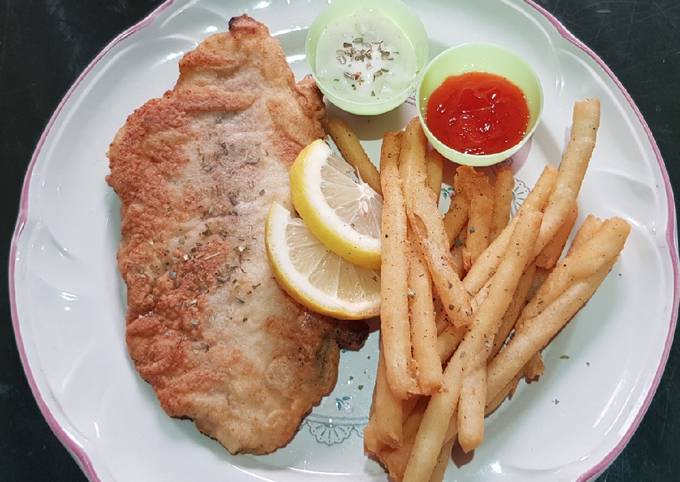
(365,56)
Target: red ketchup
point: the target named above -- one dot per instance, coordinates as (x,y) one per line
(478,113)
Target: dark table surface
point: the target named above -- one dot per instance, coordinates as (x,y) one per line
(44,45)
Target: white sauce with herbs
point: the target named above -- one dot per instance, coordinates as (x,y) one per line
(365,56)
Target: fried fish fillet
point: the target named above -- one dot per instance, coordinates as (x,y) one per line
(196,172)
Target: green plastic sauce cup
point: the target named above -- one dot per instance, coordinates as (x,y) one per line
(403,17)
(480,57)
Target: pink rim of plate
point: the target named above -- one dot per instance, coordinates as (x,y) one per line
(79,452)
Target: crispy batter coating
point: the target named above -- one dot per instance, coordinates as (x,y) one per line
(196,172)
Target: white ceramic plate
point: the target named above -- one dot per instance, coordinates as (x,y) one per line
(68,301)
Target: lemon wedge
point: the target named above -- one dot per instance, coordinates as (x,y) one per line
(316,277)
(341,210)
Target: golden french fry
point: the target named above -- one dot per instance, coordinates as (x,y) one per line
(397,459)
(428,227)
(442,462)
(448,340)
(476,187)
(394,320)
(456,217)
(489,260)
(371,443)
(534,369)
(435,166)
(485,326)
(432,432)
(589,227)
(502,200)
(414,419)
(429,230)
(575,160)
(423,327)
(539,278)
(482,294)
(594,249)
(457,252)
(351,150)
(491,405)
(457,260)
(471,408)
(536,332)
(412,169)
(433,428)
(408,405)
(553,250)
(519,299)
(507,391)
(603,247)
(440,318)
(386,411)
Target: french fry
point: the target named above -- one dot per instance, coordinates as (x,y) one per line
(553,250)
(519,299)
(456,217)
(457,253)
(433,428)
(441,407)
(489,260)
(396,460)
(534,369)
(482,294)
(539,195)
(457,260)
(602,247)
(386,411)
(585,122)
(539,278)
(442,462)
(371,443)
(476,187)
(412,169)
(435,166)
(428,227)
(408,405)
(448,340)
(471,408)
(594,249)
(414,419)
(502,200)
(429,230)
(351,150)
(493,403)
(423,327)
(440,318)
(536,332)
(485,326)
(589,227)
(394,320)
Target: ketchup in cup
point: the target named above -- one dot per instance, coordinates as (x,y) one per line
(478,113)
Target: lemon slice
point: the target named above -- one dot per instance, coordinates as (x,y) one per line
(316,277)
(342,211)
